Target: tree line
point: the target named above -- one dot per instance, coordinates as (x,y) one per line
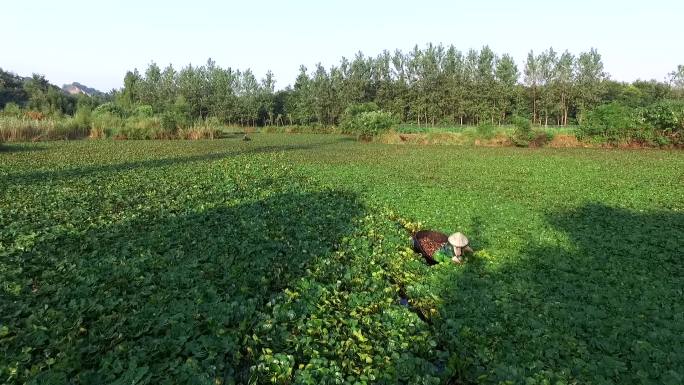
(432,85)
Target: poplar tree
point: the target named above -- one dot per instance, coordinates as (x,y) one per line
(589,78)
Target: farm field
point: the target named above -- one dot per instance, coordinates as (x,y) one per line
(284,259)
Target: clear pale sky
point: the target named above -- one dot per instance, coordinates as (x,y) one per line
(96,42)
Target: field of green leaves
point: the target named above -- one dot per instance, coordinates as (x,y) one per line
(283,260)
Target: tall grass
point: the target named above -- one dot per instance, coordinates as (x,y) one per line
(408,128)
(482,135)
(18,129)
(103,125)
(299,129)
(203,129)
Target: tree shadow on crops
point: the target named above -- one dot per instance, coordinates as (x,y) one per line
(230,135)
(607,309)
(477,233)
(35,177)
(4,148)
(167,298)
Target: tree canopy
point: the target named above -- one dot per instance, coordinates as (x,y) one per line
(435,84)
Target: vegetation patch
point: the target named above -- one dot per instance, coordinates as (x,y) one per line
(287,260)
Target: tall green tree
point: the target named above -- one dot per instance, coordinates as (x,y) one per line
(470,85)
(507,76)
(547,62)
(562,85)
(532,79)
(589,80)
(486,90)
(150,87)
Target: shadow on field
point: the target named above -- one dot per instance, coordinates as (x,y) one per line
(85,171)
(607,310)
(168,298)
(4,147)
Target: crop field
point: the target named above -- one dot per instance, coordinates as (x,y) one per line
(287,260)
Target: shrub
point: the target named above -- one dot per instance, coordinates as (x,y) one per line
(172,121)
(347,121)
(12,109)
(202,129)
(668,117)
(83,117)
(144,111)
(613,122)
(105,124)
(110,108)
(486,131)
(374,123)
(522,134)
(176,116)
(366,120)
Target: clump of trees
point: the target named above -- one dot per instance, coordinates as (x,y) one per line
(434,85)
(35,94)
(660,123)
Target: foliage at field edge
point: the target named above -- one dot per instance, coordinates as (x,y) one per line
(436,85)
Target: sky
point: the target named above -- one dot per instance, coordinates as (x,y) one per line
(95,42)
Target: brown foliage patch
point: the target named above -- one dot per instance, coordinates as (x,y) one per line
(564,140)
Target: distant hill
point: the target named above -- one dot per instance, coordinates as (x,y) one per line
(76,88)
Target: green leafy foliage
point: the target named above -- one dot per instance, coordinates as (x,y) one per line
(12,110)
(144,111)
(275,261)
(614,122)
(110,108)
(370,124)
(667,117)
(523,134)
(366,120)
(486,131)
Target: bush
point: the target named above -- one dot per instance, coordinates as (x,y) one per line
(347,121)
(12,109)
(172,121)
(668,117)
(83,117)
(613,122)
(374,123)
(176,117)
(144,111)
(366,120)
(105,124)
(522,134)
(110,108)
(486,131)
